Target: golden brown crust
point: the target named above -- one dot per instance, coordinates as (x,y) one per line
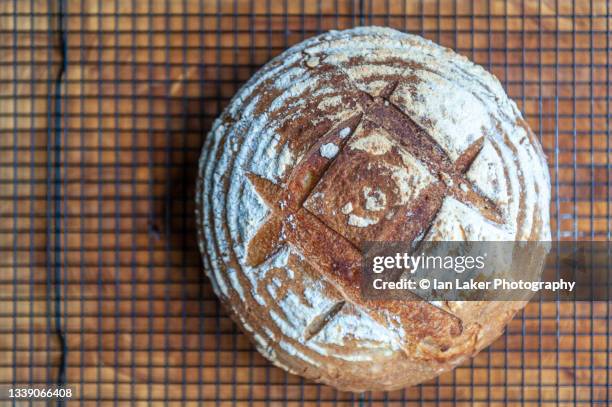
(327,148)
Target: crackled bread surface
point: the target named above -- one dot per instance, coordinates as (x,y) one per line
(362,135)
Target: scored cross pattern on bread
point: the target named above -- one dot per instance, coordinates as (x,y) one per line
(305,210)
(305,213)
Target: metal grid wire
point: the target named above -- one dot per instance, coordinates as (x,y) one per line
(104,106)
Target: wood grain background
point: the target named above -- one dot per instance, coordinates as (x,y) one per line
(102,115)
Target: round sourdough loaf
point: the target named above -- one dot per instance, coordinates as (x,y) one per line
(350,136)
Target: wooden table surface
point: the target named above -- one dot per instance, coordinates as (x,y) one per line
(103,110)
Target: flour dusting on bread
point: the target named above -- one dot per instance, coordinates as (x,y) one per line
(332,124)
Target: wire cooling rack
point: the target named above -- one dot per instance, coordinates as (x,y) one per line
(104,106)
